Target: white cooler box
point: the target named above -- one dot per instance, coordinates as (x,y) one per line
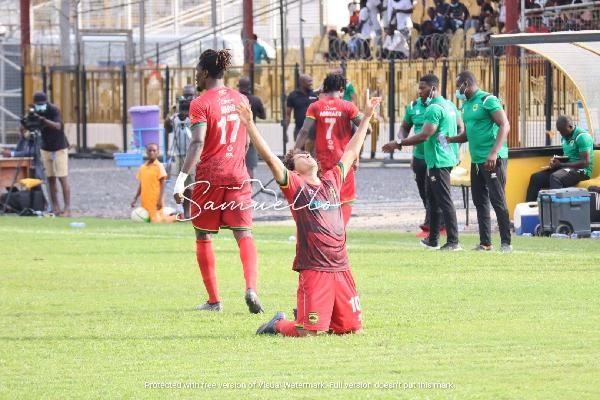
(526,217)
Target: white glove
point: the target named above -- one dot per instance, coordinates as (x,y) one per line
(180,183)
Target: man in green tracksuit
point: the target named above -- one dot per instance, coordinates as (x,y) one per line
(578,146)
(486,130)
(414,117)
(439,123)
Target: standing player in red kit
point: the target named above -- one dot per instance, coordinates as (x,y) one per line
(218,151)
(334,118)
(327,300)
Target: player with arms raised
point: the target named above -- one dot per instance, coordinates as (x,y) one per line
(334,118)
(217,151)
(326,298)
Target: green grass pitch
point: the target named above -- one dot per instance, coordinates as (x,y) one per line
(106,311)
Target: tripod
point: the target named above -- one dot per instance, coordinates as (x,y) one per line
(35,137)
(182,137)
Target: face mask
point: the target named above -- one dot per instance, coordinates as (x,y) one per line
(430,97)
(40,107)
(459,95)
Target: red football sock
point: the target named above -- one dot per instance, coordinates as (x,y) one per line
(206,262)
(287,328)
(249,260)
(346,212)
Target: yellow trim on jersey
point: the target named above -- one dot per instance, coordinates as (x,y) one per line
(342,171)
(286,181)
(311,117)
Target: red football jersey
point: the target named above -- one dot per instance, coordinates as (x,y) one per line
(321,236)
(223,159)
(333,117)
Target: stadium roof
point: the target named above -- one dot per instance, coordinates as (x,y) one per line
(577,54)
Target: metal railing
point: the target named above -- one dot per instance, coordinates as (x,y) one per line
(102,95)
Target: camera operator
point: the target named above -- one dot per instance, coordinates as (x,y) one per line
(179,124)
(54,151)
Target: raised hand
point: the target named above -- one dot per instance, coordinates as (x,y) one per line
(245,113)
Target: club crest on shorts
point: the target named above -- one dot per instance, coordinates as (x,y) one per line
(313,317)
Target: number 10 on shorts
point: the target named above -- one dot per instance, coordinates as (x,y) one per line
(354,303)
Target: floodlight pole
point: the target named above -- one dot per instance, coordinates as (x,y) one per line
(142,31)
(248,40)
(282,41)
(522,78)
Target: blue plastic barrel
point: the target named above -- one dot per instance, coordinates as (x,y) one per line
(145,121)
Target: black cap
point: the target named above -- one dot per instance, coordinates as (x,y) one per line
(39,97)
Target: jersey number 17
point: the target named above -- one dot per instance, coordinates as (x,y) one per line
(224,122)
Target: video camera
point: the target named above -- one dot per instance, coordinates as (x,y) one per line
(183,104)
(31,121)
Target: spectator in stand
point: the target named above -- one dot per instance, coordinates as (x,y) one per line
(366,28)
(481,39)
(438,22)
(441,9)
(399,14)
(430,27)
(354,10)
(535,25)
(355,43)
(502,15)
(395,45)
(375,7)
(338,49)
(458,15)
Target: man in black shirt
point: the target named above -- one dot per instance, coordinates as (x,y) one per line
(54,152)
(258,110)
(298,101)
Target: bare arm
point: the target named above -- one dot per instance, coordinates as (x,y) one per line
(160,203)
(288,116)
(260,110)
(52,124)
(137,195)
(191,159)
(352,150)
(500,119)
(274,163)
(427,132)
(584,162)
(303,134)
(460,126)
(460,138)
(404,131)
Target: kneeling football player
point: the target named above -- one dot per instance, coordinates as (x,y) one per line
(327,300)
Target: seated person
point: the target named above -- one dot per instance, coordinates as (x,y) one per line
(25,147)
(578,146)
(151,188)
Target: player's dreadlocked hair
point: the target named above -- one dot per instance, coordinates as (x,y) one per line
(215,62)
(288,160)
(334,83)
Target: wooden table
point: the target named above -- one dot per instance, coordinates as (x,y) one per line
(8,168)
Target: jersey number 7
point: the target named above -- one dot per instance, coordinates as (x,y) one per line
(331,122)
(223,125)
